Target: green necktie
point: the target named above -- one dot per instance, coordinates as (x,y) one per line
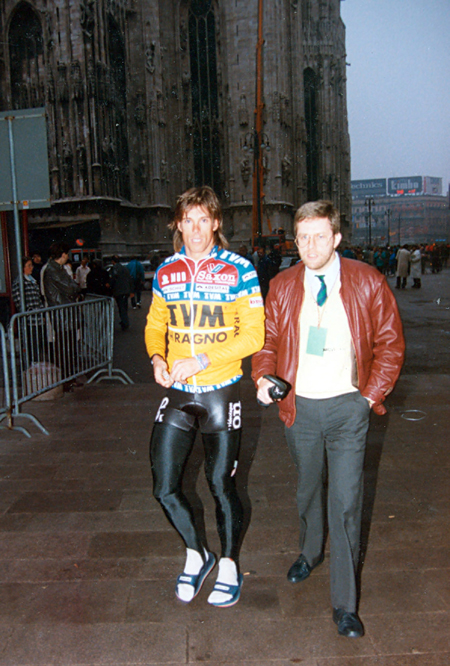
(322,295)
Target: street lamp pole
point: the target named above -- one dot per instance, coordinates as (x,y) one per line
(369,203)
(388,215)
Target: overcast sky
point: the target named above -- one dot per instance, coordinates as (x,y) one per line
(398,87)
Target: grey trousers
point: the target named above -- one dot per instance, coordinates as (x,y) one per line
(335,427)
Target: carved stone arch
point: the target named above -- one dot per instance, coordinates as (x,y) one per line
(26,57)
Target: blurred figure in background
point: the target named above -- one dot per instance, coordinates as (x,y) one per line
(34,328)
(402,258)
(97,280)
(122,287)
(80,276)
(416,267)
(137,273)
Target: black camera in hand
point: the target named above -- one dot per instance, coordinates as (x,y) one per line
(278,391)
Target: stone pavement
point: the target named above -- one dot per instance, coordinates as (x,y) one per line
(88,561)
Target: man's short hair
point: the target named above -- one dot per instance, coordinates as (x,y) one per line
(322,209)
(58,249)
(206,198)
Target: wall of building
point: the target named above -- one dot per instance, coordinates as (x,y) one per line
(118,81)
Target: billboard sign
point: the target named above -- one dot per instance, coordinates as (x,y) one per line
(30,157)
(372,187)
(432,185)
(406,185)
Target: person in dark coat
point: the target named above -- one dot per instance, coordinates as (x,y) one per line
(122,287)
(60,289)
(97,280)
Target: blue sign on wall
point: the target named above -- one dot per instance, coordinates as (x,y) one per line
(405,185)
(29,132)
(371,187)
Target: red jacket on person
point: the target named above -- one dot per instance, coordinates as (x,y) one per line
(375,327)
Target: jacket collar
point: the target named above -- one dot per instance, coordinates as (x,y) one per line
(214,252)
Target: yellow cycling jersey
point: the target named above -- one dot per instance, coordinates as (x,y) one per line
(211,306)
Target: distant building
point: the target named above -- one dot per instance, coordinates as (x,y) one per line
(394,211)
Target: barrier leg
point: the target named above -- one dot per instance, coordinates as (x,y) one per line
(11,426)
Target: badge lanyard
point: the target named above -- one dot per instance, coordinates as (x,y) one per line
(317,335)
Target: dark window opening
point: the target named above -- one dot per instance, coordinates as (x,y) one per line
(312,141)
(118,150)
(205,97)
(26,50)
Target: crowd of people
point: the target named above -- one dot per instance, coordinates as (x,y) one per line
(56,283)
(409,260)
(52,338)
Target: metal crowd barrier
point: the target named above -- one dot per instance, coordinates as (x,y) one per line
(6,407)
(52,346)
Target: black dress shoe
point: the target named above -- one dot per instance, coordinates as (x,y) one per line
(300,570)
(348,624)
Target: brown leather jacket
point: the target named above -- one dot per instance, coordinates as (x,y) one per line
(375,327)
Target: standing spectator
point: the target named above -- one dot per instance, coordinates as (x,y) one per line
(435,259)
(80,276)
(37,267)
(243,251)
(68,268)
(423,260)
(392,261)
(60,289)
(263,271)
(33,298)
(348,253)
(34,329)
(444,254)
(122,286)
(274,258)
(97,280)
(416,267)
(137,273)
(385,258)
(378,260)
(402,258)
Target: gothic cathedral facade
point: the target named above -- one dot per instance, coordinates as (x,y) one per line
(145,98)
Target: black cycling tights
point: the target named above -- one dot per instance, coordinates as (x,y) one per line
(169,450)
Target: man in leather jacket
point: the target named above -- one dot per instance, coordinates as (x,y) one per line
(333,332)
(58,287)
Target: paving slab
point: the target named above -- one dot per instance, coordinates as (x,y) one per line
(88,561)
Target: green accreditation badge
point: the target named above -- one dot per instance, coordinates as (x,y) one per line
(316,340)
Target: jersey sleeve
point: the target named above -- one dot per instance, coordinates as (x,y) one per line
(156,327)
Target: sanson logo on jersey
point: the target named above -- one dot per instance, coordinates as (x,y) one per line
(215,267)
(217,272)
